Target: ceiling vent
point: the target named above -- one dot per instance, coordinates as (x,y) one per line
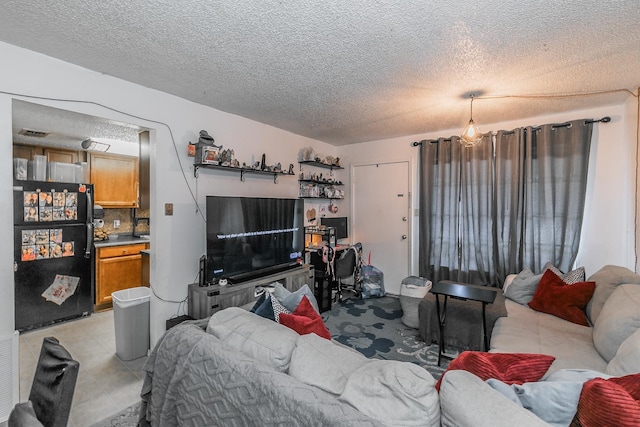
(33,133)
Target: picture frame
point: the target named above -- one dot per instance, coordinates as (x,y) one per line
(210,155)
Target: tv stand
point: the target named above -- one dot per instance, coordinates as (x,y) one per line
(206,300)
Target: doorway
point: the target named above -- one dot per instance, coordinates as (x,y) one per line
(381,205)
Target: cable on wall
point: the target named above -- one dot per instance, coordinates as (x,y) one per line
(173,142)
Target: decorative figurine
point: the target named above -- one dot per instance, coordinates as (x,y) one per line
(290,168)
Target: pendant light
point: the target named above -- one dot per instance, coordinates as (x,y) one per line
(471,135)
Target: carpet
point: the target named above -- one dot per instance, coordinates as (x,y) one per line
(374,328)
(125,418)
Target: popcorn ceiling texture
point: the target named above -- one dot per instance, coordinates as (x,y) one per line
(346,72)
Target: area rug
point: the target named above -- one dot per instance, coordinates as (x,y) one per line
(374,328)
(125,418)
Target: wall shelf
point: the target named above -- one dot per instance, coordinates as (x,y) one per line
(319,164)
(315,181)
(319,197)
(241,171)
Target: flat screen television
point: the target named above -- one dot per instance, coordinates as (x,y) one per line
(249,237)
(339,223)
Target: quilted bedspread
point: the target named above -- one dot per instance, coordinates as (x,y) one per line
(193,380)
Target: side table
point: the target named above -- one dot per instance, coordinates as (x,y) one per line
(461,291)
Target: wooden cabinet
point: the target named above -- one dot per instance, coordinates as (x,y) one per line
(117,268)
(25,151)
(115,180)
(61,155)
(206,300)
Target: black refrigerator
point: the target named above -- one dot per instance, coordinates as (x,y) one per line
(53,252)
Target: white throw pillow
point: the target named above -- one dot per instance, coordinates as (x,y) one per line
(323,363)
(618,320)
(394,393)
(261,339)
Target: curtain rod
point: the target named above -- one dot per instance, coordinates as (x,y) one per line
(605,119)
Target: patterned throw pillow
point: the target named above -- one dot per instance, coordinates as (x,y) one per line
(554,296)
(569,278)
(278,308)
(510,368)
(612,402)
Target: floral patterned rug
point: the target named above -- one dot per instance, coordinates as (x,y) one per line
(374,328)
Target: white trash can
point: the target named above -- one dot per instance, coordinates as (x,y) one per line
(412,290)
(131,319)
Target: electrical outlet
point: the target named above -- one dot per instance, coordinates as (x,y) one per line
(116,223)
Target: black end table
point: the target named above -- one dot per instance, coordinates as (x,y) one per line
(463,291)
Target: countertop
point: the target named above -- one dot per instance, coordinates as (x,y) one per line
(122,239)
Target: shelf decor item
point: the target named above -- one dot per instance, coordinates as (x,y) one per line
(210,155)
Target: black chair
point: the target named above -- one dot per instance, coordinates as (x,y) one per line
(52,389)
(347,269)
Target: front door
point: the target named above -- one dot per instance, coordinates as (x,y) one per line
(381,220)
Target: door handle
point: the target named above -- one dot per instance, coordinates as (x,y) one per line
(404,237)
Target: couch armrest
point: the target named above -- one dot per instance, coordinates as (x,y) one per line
(467,401)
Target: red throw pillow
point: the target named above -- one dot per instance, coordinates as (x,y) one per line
(612,402)
(567,302)
(305,320)
(510,368)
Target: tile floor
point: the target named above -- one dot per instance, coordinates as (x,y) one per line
(105,383)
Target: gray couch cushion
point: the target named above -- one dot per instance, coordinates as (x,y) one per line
(323,363)
(527,331)
(607,279)
(618,320)
(394,393)
(627,360)
(467,401)
(261,339)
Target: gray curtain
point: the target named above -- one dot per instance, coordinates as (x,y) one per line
(486,214)
(455,210)
(556,162)
(439,213)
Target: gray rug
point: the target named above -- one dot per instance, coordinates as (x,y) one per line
(372,326)
(125,418)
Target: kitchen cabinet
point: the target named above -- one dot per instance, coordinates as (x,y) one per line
(115,179)
(62,156)
(24,151)
(117,267)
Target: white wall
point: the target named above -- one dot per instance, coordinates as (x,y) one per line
(179,240)
(608,230)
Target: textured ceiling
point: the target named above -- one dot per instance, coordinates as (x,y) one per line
(348,71)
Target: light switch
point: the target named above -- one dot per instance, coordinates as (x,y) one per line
(168,209)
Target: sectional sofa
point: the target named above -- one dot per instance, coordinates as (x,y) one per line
(609,346)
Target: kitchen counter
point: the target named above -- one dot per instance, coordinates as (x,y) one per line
(122,239)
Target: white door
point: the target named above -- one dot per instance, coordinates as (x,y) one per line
(381,220)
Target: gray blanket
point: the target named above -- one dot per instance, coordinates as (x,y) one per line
(193,380)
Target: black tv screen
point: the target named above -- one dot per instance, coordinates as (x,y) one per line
(248,237)
(339,223)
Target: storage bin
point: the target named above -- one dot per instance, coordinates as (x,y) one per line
(20,168)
